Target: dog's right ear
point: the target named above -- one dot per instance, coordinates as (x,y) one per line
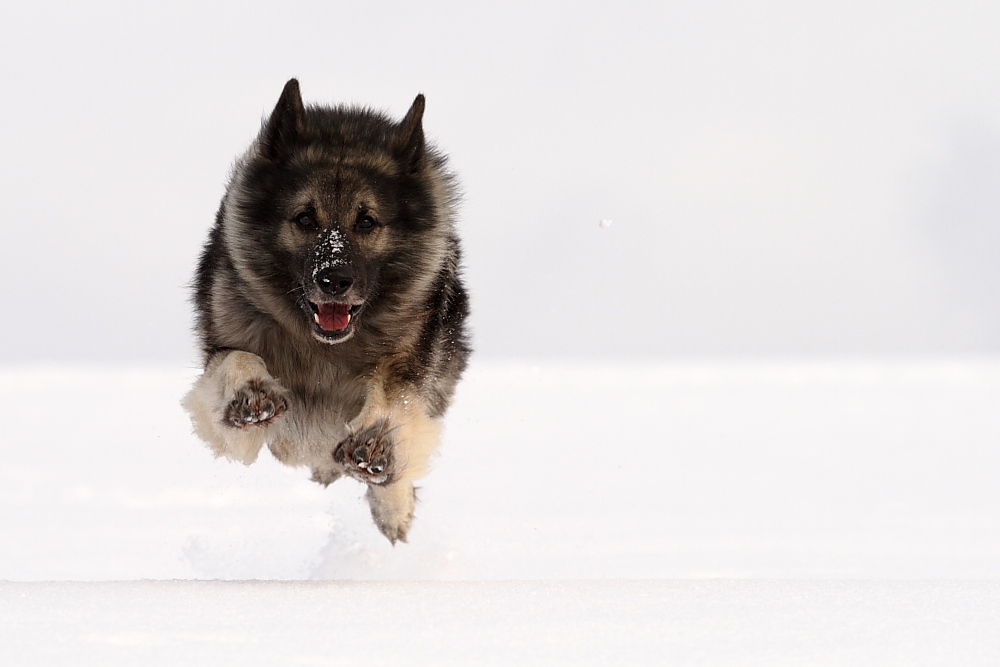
(410,136)
(284,125)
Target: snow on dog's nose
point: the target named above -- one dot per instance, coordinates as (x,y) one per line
(335,280)
(332,302)
(329,253)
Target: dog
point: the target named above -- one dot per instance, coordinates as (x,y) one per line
(329,302)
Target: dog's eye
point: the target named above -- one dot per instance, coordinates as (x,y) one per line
(306,220)
(366,223)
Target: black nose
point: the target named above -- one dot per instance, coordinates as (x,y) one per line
(335,280)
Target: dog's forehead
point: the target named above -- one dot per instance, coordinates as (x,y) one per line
(345,184)
(324,156)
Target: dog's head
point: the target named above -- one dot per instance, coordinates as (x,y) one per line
(338,216)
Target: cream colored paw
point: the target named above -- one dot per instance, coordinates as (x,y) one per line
(392,509)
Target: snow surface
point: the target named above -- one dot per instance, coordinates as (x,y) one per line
(580,623)
(710,513)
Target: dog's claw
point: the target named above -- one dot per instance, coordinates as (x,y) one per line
(367,455)
(256,403)
(360,456)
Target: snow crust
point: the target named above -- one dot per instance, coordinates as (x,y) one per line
(580,623)
(712,513)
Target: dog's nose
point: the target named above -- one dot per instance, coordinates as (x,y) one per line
(335,280)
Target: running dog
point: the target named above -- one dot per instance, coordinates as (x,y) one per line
(329,302)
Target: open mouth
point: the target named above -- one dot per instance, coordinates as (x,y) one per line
(333,320)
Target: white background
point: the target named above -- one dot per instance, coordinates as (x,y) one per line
(810,181)
(784,178)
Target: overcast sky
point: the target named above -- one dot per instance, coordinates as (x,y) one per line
(783,178)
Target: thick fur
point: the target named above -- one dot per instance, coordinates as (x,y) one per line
(342,207)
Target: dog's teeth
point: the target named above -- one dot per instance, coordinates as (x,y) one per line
(348,318)
(316,317)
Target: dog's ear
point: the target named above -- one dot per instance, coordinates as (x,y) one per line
(285,123)
(410,135)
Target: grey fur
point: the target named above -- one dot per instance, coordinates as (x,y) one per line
(329,303)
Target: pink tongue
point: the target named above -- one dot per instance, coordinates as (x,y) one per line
(334,316)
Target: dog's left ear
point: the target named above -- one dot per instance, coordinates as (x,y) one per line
(410,135)
(285,123)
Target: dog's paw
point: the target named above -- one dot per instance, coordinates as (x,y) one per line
(256,402)
(392,509)
(367,455)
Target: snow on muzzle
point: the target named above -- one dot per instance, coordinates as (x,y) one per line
(334,278)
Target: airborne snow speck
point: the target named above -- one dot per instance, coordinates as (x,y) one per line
(605,223)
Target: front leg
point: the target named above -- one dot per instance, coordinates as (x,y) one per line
(234,403)
(388,452)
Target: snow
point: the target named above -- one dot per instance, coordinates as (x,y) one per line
(576,623)
(813,512)
(329,251)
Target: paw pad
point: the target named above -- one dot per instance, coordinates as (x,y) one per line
(255,404)
(367,455)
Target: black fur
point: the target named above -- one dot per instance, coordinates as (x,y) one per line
(346,131)
(345,187)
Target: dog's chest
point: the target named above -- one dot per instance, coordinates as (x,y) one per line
(318,418)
